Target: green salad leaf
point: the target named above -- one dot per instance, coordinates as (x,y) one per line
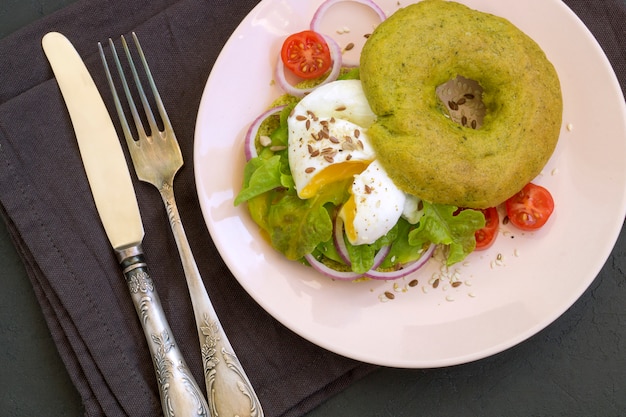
(260,175)
(441,224)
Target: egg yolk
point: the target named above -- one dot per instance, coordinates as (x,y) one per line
(348,213)
(333,173)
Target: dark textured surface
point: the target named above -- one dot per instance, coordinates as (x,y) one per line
(575,367)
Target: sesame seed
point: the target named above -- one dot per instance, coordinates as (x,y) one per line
(265,140)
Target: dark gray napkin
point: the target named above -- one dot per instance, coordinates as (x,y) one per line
(48,208)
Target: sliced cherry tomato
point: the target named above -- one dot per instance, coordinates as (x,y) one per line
(530,208)
(306,54)
(487,235)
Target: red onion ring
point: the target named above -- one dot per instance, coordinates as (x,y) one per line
(328,271)
(335,55)
(321,11)
(407,269)
(340,243)
(249,143)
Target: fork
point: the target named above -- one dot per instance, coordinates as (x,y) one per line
(157,158)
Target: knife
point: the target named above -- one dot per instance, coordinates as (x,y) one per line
(114,196)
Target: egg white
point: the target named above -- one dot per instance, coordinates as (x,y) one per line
(374,207)
(328,136)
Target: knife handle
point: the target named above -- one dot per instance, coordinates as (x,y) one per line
(179,391)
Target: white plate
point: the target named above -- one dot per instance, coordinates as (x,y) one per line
(501,302)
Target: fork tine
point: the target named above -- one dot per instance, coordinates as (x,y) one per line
(153,87)
(118,105)
(142,96)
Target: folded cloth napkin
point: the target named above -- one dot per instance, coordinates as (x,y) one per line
(47,205)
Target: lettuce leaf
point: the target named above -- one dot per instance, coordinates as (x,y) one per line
(362,256)
(440,225)
(298,226)
(259,176)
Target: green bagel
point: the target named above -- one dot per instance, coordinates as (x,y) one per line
(424,150)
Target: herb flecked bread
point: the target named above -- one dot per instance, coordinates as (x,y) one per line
(469,108)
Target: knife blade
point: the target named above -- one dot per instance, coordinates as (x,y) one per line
(116,203)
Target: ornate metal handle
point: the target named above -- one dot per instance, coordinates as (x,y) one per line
(180,393)
(229,392)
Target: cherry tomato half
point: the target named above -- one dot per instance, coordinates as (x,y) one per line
(530,208)
(306,54)
(487,235)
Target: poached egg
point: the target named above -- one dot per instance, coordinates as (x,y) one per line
(328,142)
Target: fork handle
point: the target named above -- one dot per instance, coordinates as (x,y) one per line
(229,391)
(179,391)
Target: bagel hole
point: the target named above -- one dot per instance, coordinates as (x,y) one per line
(462,101)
